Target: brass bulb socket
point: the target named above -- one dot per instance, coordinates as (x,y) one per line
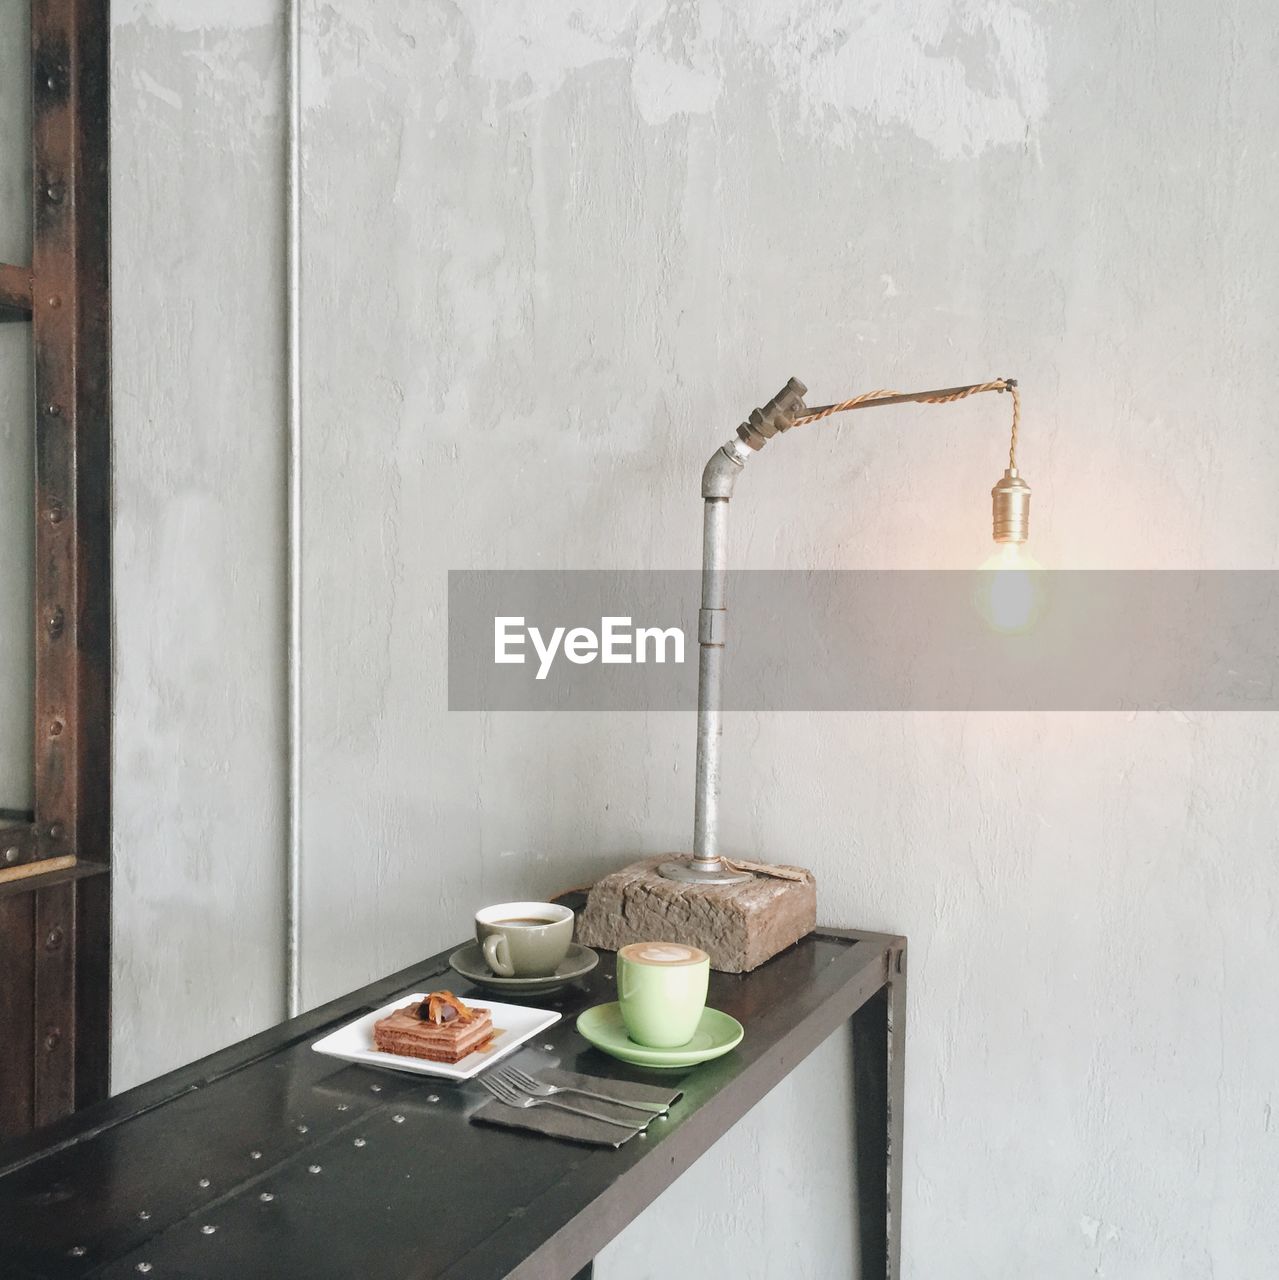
(1010,500)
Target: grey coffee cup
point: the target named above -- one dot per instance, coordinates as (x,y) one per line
(524,939)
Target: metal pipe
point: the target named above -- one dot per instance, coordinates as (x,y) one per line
(711,633)
(718,480)
(293,374)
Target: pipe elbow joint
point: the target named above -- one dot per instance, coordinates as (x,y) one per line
(722,470)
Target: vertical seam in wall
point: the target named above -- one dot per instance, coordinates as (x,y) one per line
(293,345)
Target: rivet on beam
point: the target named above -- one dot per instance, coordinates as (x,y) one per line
(56,622)
(52,1039)
(54,938)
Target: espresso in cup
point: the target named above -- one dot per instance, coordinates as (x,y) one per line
(524,939)
(661,989)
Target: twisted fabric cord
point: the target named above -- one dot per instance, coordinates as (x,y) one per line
(999,384)
(1012,444)
(843,407)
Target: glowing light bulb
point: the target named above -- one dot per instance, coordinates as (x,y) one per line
(1010,593)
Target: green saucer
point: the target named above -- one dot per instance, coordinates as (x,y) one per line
(716,1034)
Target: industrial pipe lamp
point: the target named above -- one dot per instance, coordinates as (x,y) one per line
(1011,514)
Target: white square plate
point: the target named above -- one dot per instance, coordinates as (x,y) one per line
(512,1023)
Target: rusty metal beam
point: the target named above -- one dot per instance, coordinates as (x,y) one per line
(55,304)
(55,308)
(70,331)
(91,898)
(27,842)
(60,1018)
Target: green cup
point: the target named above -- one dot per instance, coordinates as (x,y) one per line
(661,988)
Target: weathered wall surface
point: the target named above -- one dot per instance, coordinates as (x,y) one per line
(198,294)
(550,258)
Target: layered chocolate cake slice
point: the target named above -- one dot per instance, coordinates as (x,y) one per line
(440,1028)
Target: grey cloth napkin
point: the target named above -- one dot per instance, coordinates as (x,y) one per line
(555,1122)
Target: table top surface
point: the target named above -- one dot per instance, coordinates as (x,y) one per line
(246,1164)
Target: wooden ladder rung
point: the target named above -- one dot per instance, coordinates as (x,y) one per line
(15,288)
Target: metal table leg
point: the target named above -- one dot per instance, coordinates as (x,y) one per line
(879,1077)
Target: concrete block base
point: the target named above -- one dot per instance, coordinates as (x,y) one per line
(738,925)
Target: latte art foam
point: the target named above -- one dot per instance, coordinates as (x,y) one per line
(662,953)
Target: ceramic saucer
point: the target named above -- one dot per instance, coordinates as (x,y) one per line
(469,962)
(716,1034)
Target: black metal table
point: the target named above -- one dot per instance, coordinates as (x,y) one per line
(269,1161)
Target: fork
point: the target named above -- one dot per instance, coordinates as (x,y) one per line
(526,1083)
(504,1091)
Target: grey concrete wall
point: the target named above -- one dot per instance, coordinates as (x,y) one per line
(198,296)
(552,253)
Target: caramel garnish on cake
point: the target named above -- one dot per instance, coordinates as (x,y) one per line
(441,1007)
